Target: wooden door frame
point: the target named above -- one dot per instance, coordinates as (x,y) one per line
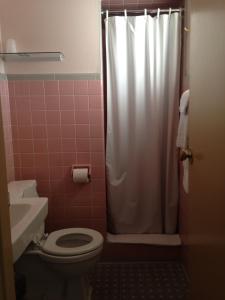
(7,287)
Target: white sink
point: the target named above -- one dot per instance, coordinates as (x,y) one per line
(27,216)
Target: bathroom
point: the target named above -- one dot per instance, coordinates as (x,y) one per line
(55,111)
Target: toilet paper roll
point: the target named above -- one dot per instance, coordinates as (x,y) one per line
(80,175)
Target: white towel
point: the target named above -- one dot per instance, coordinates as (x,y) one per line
(186,164)
(182,135)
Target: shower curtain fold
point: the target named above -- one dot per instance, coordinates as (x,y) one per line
(143,72)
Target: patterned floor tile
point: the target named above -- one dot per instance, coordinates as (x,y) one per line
(139,281)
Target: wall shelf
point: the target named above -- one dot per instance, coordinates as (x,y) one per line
(32,56)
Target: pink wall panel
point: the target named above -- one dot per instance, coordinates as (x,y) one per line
(57,124)
(140,4)
(6,118)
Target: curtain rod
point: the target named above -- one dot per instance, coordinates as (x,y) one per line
(138,11)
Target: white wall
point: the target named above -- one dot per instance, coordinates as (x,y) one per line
(70,26)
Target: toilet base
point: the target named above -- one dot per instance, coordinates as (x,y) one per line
(78,288)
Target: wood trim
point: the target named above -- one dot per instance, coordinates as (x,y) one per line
(7,290)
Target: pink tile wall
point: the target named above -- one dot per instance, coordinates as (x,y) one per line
(6,118)
(57,124)
(140,4)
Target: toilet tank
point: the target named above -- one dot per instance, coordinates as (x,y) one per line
(22,189)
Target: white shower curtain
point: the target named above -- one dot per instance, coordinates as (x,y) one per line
(143,71)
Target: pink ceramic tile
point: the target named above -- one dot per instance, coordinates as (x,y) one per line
(51,87)
(14,117)
(98,199)
(54,145)
(12,102)
(68,131)
(58,198)
(67,117)
(94,87)
(52,102)
(98,212)
(97,158)
(82,131)
(53,131)
(98,185)
(81,87)
(15,133)
(38,117)
(55,159)
(36,87)
(82,117)
(25,132)
(95,102)
(99,225)
(23,118)
(60,143)
(83,158)
(78,200)
(27,160)
(42,173)
(17,160)
(37,102)
(11,85)
(98,171)
(68,145)
(39,132)
(83,145)
(56,173)
(69,159)
(66,87)
(26,146)
(43,188)
(18,174)
(21,87)
(96,131)
(57,187)
(81,212)
(96,117)
(40,146)
(81,102)
(41,160)
(57,212)
(16,146)
(52,117)
(83,223)
(27,173)
(67,102)
(23,103)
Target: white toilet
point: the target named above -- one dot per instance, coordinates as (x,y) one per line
(71,252)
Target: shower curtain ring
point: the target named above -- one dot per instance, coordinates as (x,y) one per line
(158,13)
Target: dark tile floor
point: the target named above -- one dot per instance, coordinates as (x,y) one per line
(139,281)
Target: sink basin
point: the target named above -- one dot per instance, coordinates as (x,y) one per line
(18,212)
(26,218)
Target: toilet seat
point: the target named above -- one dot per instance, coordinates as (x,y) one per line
(72,242)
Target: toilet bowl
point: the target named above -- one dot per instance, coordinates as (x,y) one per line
(71,252)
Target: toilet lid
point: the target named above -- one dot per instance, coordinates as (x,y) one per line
(72,241)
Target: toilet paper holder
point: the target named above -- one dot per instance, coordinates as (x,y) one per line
(82,167)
